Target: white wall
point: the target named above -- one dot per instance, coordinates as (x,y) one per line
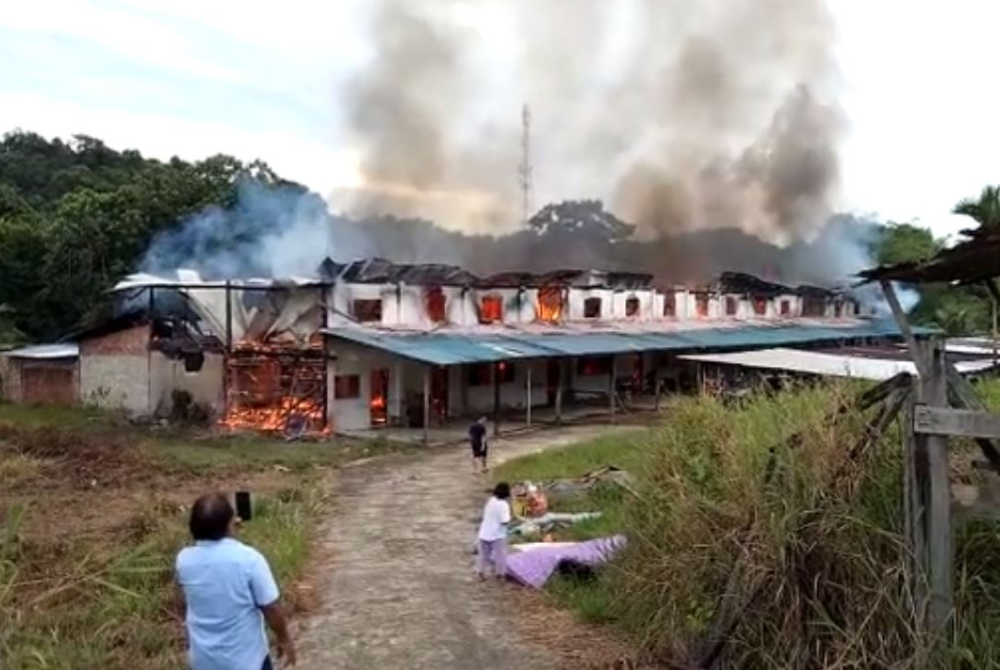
(205,386)
(691,307)
(116,381)
(646,312)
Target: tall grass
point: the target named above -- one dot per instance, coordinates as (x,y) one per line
(112,605)
(809,560)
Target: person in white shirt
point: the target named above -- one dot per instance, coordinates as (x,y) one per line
(493,534)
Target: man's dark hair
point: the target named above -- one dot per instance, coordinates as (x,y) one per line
(210,517)
(502,491)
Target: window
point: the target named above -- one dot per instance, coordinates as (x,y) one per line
(592,308)
(193,362)
(760,306)
(786,308)
(632,306)
(857,308)
(480,374)
(701,305)
(593,366)
(368,311)
(731,306)
(491,309)
(550,304)
(347,386)
(670,305)
(813,307)
(838,310)
(505,372)
(435,304)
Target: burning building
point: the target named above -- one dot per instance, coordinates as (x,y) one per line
(374,343)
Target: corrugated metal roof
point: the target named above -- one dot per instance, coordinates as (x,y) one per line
(45,351)
(826,364)
(449,348)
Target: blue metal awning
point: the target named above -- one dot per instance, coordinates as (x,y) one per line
(445,349)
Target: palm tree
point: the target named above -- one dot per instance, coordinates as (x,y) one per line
(984,210)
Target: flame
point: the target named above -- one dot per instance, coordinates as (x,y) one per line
(491,309)
(550,304)
(278,418)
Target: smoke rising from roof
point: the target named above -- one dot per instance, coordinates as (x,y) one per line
(681,114)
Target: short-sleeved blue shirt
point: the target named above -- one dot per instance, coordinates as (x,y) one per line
(225,584)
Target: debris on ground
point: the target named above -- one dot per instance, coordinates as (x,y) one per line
(533,567)
(588,482)
(549,522)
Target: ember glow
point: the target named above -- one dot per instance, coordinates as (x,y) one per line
(275,388)
(550,304)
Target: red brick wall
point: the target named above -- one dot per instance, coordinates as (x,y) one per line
(132,341)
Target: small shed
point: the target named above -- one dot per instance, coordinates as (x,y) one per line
(47,374)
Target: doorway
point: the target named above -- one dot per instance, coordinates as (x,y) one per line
(378,405)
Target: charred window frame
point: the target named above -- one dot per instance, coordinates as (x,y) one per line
(436,304)
(491,309)
(702,302)
(786,308)
(632,306)
(592,308)
(367,310)
(194,361)
(479,374)
(346,387)
(760,306)
(732,306)
(670,305)
(592,366)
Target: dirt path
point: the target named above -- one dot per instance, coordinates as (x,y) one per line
(399,592)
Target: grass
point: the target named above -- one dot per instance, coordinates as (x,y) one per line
(94,513)
(816,555)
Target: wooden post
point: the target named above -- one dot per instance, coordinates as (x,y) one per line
(496,399)
(559,391)
(427,403)
(933,391)
(904,326)
(395,407)
(611,387)
(528,393)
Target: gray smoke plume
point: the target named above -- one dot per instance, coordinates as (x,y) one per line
(681,114)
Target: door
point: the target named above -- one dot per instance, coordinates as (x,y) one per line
(439,394)
(379,402)
(552,374)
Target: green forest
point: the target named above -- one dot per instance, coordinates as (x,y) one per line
(75,216)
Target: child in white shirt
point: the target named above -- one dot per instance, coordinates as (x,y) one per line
(493,533)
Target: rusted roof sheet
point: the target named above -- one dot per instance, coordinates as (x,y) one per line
(973,260)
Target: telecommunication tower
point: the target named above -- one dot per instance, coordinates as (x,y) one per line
(525,170)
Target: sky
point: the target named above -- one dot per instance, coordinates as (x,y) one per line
(253,79)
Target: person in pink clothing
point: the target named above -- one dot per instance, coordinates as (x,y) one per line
(493,534)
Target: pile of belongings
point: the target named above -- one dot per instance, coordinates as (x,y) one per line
(549,522)
(533,564)
(607,474)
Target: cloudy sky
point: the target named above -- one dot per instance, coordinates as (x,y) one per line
(260,79)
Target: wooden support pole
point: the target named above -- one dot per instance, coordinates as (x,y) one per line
(496,399)
(559,391)
(611,387)
(933,391)
(527,393)
(427,404)
(904,326)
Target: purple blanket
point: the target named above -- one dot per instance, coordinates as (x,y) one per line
(533,568)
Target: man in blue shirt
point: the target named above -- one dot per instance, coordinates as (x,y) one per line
(229,592)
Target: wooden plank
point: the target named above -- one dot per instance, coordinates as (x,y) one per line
(955,422)
(964,396)
(531,364)
(933,390)
(904,326)
(427,404)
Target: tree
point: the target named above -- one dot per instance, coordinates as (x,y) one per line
(984,210)
(905,243)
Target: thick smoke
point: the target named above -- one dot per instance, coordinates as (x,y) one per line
(270,231)
(681,114)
